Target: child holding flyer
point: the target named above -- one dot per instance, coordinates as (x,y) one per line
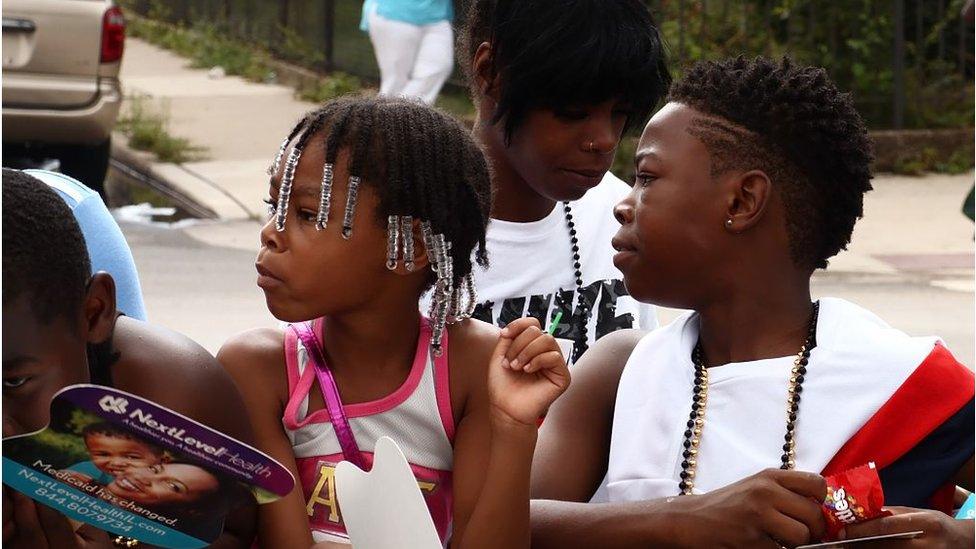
(61,328)
(372,202)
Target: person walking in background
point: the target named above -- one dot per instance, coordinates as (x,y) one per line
(414,45)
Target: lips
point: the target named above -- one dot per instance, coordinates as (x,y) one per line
(621,245)
(588,172)
(586,178)
(266,277)
(626,253)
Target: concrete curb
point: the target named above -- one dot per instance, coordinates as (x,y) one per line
(198,195)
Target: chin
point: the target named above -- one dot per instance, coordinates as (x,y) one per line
(283,314)
(644,290)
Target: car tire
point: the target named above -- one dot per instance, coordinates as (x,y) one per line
(88,164)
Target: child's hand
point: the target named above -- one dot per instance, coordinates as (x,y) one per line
(526,374)
(36,526)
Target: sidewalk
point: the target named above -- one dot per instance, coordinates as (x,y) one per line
(240,123)
(913,226)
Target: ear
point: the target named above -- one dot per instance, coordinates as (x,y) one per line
(420,261)
(99,308)
(481,71)
(750,194)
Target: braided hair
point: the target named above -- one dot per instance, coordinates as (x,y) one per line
(423,165)
(792,122)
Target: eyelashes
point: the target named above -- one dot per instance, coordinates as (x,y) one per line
(303,214)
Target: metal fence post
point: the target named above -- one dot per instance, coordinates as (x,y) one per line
(328,38)
(898,67)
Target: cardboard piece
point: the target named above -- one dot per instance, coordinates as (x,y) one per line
(846,542)
(384,509)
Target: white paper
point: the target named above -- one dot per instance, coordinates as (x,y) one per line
(384,509)
(846,542)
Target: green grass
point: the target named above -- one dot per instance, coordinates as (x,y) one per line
(147,131)
(205,46)
(330,87)
(930,159)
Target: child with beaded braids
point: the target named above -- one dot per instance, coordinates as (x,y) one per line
(373,201)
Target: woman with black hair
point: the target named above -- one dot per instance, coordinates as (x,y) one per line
(556,84)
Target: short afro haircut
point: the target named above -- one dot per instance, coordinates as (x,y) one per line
(554,54)
(792,122)
(44,253)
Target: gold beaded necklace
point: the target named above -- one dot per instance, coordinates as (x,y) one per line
(696,420)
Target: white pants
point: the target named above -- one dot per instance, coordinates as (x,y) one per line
(414,60)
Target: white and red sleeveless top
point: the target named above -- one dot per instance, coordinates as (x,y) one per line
(417,416)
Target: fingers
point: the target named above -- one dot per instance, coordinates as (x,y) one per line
(906,520)
(541,344)
(9,526)
(527,335)
(517,326)
(787,531)
(93,535)
(806,513)
(501,348)
(27,523)
(56,527)
(804,483)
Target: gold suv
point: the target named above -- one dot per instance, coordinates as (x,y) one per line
(61,92)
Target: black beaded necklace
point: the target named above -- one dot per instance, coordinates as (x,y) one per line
(578,276)
(696,420)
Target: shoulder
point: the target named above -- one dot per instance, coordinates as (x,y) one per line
(470,344)
(72,191)
(256,361)
(173,370)
(261,347)
(599,370)
(149,348)
(867,342)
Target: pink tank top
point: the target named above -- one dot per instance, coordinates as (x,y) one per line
(418,416)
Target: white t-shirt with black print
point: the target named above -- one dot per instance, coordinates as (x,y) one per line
(531,261)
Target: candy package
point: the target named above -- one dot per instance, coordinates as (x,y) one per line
(853,496)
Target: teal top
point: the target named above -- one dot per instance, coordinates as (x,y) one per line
(417,12)
(88,469)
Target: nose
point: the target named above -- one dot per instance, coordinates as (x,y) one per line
(624,210)
(603,134)
(270,237)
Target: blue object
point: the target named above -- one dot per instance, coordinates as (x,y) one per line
(107,247)
(968,509)
(416,12)
(89,508)
(89,469)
